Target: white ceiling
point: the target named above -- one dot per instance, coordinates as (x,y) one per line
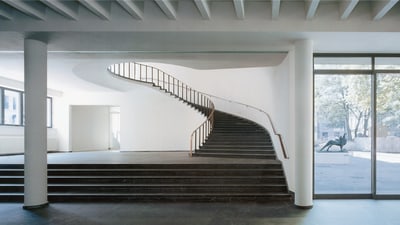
(195,33)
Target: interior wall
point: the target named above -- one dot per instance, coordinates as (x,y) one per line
(90,127)
(12,137)
(150,119)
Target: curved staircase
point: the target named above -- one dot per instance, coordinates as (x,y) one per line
(233,136)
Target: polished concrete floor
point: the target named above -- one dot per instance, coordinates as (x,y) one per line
(324,212)
(131,157)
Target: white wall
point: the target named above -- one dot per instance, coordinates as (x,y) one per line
(12,137)
(150,119)
(89,128)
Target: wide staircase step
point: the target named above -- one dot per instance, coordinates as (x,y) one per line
(153,182)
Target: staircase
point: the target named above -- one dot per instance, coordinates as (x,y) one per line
(220,135)
(153,182)
(233,136)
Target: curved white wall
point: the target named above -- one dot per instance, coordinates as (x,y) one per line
(267,88)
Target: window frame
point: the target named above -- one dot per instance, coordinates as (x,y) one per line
(3,122)
(22,105)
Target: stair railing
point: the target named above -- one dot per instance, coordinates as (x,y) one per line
(158,78)
(268,117)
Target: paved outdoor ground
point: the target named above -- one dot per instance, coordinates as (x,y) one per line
(355,176)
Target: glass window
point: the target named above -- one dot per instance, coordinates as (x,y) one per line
(387,63)
(12,107)
(342,139)
(342,63)
(388,133)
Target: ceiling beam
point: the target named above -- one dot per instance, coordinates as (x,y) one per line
(346,8)
(168,8)
(5,12)
(132,8)
(27,8)
(382,7)
(276,5)
(62,8)
(311,8)
(204,8)
(239,8)
(96,8)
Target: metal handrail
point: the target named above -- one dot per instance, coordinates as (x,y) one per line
(158,78)
(284,153)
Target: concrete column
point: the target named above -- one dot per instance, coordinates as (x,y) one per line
(304,123)
(35,67)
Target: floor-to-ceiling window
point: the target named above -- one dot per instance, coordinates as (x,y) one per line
(356,125)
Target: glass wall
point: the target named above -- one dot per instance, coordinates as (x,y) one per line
(357,125)
(388,133)
(342,134)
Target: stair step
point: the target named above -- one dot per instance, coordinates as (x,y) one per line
(236,151)
(198,197)
(234,146)
(167,179)
(233,155)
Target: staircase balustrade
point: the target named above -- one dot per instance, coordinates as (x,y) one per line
(158,78)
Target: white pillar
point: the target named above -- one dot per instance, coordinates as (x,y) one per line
(304,123)
(35,66)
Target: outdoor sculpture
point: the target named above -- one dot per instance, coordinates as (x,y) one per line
(341,141)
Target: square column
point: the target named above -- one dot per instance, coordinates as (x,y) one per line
(35,170)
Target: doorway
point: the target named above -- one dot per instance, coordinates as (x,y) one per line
(94,127)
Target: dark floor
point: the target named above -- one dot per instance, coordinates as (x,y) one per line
(324,212)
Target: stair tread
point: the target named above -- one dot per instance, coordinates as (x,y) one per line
(168,177)
(170,194)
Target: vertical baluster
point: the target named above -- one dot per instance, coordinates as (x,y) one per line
(153,79)
(182,90)
(195,139)
(129,70)
(137,72)
(173,86)
(145,72)
(123,70)
(133,71)
(178,89)
(158,77)
(168,82)
(163,80)
(140,72)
